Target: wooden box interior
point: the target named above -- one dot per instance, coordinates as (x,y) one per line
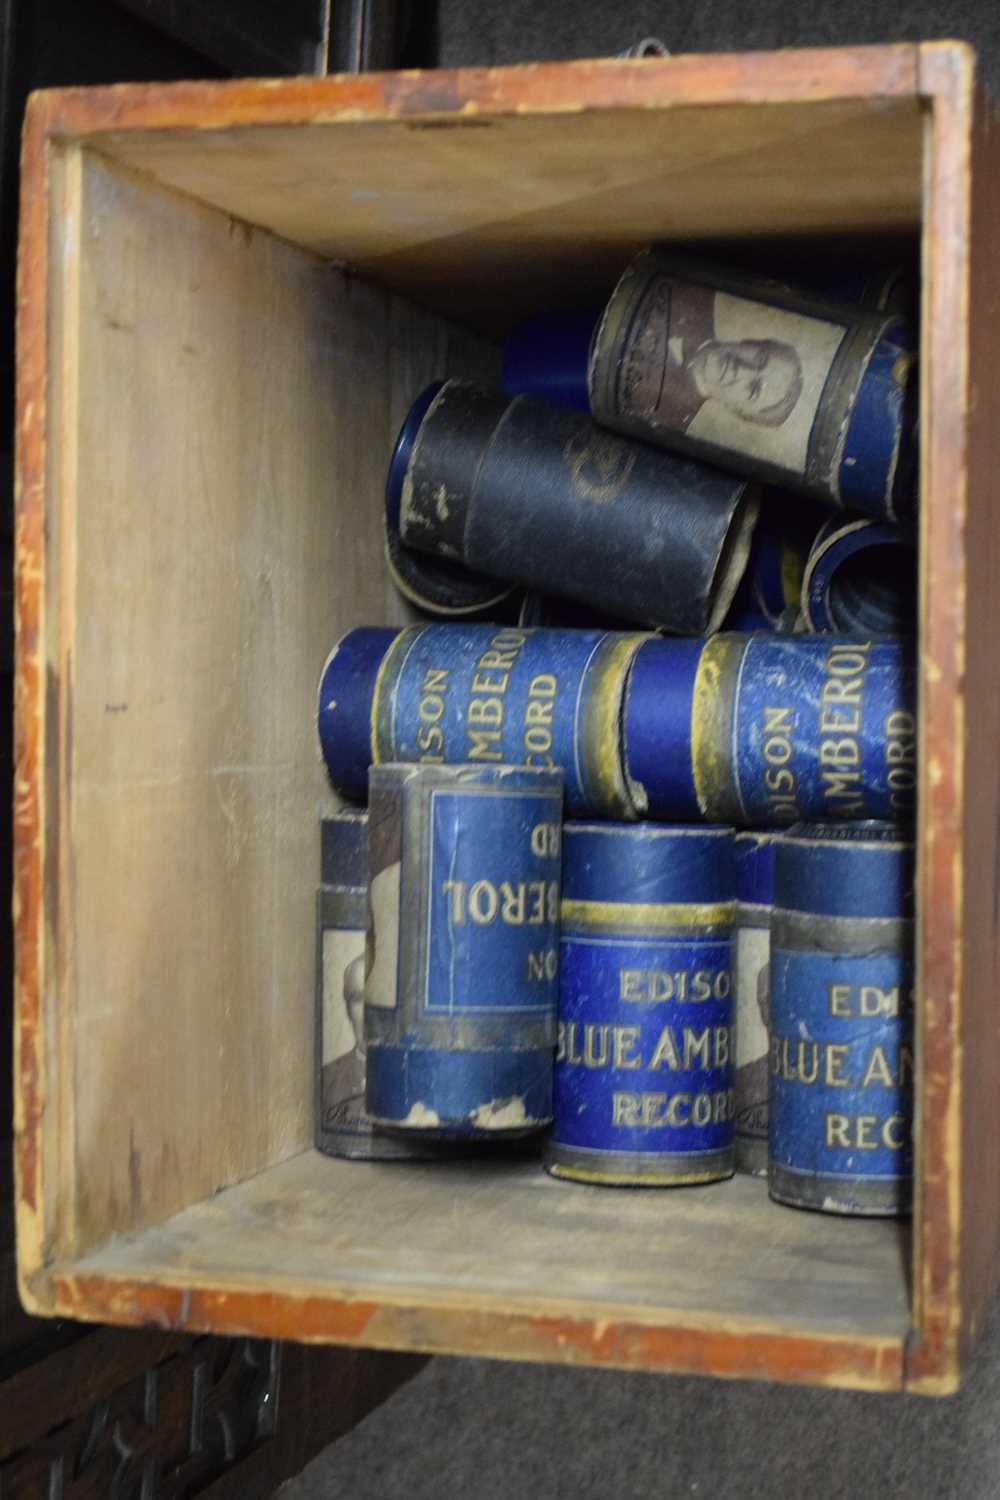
(237,320)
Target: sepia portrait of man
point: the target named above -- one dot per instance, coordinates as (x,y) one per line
(344,1076)
(726,372)
(752,1075)
(679,363)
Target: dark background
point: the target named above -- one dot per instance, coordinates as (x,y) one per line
(468,1428)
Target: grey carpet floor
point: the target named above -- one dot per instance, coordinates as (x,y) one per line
(473,1430)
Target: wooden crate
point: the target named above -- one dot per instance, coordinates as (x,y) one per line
(206,399)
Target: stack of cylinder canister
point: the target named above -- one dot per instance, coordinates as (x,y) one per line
(669,570)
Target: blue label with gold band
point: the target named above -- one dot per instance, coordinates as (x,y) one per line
(485,917)
(483,695)
(816,735)
(644,1066)
(498,695)
(841,1073)
(766,729)
(645,1049)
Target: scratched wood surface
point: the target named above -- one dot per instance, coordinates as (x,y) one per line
(979,1212)
(224,418)
(958,1051)
(438,1244)
(460,1231)
(204,414)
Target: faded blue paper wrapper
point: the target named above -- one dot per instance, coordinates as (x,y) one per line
(462,957)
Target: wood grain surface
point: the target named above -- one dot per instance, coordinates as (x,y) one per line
(501,1259)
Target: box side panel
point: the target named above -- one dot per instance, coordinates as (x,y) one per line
(35,750)
(232,415)
(957,1214)
(853,1361)
(981,821)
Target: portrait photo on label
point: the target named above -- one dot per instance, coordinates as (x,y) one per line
(343,1027)
(752,1027)
(742,375)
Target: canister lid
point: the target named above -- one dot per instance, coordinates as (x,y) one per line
(346,692)
(861,576)
(440,586)
(647,863)
(863,869)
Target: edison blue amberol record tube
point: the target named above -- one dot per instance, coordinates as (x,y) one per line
(762,730)
(754,870)
(644,1063)
(841,1068)
(482,695)
(814,394)
(463,948)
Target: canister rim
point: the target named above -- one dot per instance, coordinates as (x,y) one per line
(673,830)
(873,832)
(399,462)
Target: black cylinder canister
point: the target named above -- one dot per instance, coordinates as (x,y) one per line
(524,491)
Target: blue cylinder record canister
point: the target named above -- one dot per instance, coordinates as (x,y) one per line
(644,1061)
(861,578)
(762,730)
(813,394)
(841,1068)
(546,357)
(754,867)
(463,948)
(481,695)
